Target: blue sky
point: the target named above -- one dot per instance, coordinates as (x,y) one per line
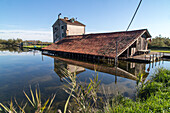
(32,19)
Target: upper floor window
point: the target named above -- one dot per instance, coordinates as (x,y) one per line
(62,27)
(56,28)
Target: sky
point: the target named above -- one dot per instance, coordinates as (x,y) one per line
(33,19)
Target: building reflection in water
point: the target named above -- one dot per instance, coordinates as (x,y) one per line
(60,68)
(122,82)
(135,68)
(128,70)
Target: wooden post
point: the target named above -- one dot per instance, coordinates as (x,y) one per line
(116,75)
(115,79)
(127,53)
(160,54)
(153,57)
(34,52)
(127,66)
(103,59)
(98,58)
(42,58)
(155,63)
(94,59)
(149,67)
(116,55)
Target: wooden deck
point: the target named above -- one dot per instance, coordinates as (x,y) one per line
(147,58)
(143,58)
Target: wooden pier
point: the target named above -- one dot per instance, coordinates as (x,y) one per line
(144,58)
(147,58)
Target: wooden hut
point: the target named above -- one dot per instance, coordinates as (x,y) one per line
(101,45)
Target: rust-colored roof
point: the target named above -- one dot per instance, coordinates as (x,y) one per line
(72,23)
(100,44)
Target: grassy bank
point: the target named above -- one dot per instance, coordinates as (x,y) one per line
(160,49)
(163,51)
(35,46)
(153,96)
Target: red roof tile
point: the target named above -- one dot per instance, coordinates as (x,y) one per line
(100,44)
(72,23)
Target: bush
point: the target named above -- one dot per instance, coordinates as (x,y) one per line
(159,42)
(152,97)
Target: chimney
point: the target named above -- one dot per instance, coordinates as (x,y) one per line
(72,20)
(65,18)
(59,15)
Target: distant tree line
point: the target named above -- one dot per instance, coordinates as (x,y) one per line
(10,42)
(159,41)
(18,41)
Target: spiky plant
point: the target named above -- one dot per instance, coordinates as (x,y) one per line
(84,97)
(10,109)
(36,101)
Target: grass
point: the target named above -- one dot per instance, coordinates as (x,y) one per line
(163,51)
(35,46)
(153,96)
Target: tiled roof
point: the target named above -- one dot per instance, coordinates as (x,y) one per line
(74,23)
(100,44)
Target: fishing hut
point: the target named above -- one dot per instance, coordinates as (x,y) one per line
(102,46)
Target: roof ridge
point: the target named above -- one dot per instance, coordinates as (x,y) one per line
(108,32)
(68,22)
(118,32)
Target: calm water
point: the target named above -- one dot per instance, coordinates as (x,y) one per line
(20,69)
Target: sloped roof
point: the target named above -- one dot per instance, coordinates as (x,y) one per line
(100,44)
(72,23)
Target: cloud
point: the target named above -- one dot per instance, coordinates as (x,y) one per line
(26,35)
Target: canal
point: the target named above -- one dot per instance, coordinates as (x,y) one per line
(20,69)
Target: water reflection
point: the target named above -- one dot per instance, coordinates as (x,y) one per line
(115,80)
(15,49)
(61,68)
(125,69)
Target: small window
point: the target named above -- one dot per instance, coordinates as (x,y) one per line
(62,27)
(56,28)
(63,35)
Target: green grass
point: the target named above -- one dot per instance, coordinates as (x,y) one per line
(153,96)
(35,46)
(164,51)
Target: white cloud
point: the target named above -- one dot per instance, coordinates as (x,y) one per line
(26,35)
